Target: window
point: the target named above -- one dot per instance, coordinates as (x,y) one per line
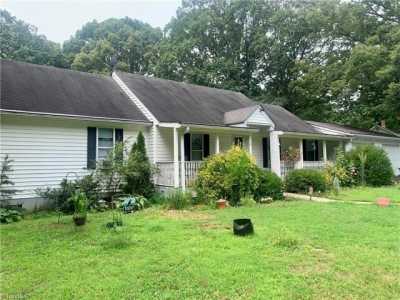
(238,141)
(197,147)
(311,150)
(105,142)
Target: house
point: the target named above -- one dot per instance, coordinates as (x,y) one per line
(57,123)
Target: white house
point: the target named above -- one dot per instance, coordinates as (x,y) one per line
(56,123)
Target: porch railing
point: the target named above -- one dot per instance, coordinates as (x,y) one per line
(191,170)
(286,167)
(165,172)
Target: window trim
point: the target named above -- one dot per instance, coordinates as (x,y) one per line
(97,141)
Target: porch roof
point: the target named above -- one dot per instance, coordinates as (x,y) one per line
(349,130)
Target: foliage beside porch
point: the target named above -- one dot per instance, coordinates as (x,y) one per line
(234,175)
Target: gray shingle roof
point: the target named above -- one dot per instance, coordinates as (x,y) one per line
(350,130)
(172,101)
(239,115)
(286,121)
(44,89)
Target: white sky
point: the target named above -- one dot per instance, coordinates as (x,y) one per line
(58,20)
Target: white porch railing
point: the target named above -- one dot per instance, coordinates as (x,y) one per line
(165,172)
(191,170)
(286,167)
(314,164)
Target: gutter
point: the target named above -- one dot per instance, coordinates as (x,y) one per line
(75,117)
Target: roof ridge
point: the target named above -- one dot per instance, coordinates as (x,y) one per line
(181,82)
(54,67)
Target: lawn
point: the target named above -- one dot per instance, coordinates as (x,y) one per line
(301,250)
(368,194)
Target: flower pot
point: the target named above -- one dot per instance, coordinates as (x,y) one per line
(79,220)
(221,203)
(242,227)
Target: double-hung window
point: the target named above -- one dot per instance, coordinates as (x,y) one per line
(197,147)
(105,142)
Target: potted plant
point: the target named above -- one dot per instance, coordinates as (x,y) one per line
(80,202)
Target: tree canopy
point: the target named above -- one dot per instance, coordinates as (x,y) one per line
(324,60)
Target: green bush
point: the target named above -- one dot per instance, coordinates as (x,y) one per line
(178,199)
(60,197)
(343,170)
(270,186)
(8,215)
(378,169)
(299,181)
(231,175)
(138,171)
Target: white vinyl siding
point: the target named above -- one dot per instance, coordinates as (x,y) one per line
(45,150)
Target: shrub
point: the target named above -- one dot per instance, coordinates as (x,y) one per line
(230,175)
(60,196)
(299,181)
(377,166)
(8,215)
(178,200)
(6,192)
(138,171)
(247,201)
(343,170)
(80,202)
(270,185)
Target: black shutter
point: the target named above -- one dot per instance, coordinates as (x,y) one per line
(265,149)
(187,146)
(119,135)
(305,150)
(316,153)
(206,141)
(91,147)
(119,138)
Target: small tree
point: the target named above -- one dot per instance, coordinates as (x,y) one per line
(6,192)
(138,170)
(109,172)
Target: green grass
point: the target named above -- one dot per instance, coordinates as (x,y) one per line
(300,250)
(368,194)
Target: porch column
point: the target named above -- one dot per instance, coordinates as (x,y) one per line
(348,146)
(176,158)
(301,158)
(275,153)
(217,144)
(325,155)
(250,144)
(183,178)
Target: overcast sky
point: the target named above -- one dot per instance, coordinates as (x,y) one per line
(58,20)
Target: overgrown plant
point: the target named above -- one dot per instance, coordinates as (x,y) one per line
(6,184)
(109,172)
(178,199)
(60,196)
(375,163)
(362,156)
(138,171)
(80,202)
(8,214)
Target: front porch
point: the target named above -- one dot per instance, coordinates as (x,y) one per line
(178,162)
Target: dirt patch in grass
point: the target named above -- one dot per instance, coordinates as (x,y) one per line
(185,215)
(320,262)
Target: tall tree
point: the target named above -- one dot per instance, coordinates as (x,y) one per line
(128,40)
(20,41)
